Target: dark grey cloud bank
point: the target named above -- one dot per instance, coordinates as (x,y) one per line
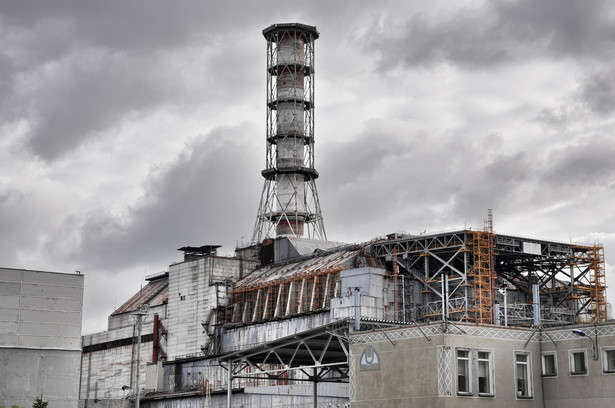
(427,115)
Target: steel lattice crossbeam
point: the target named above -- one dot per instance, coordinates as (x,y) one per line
(323,351)
(459,273)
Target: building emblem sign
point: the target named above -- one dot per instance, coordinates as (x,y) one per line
(369,360)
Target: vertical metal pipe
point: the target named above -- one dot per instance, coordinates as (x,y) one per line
(536,302)
(505,308)
(395,294)
(139,324)
(315,371)
(357,309)
(229,391)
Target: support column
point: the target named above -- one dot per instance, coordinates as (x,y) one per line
(315,371)
(229,391)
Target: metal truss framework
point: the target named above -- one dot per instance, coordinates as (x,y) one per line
(571,278)
(317,355)
(289,202)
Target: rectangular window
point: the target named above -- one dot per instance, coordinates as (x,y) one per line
(608,360)
(485,373)
(523,375)
(463,372)
(578,362)
(549,364)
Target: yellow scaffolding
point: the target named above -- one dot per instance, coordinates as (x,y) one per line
(593,256)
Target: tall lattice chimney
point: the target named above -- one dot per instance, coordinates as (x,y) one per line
(289,203)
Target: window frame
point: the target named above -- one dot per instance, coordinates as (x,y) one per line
(543,365)
(604,354)
(490,372)
(528,372)
(572,363)
(468,370)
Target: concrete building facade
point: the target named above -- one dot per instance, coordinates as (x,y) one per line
(40,337)
(461,365)
(182,310)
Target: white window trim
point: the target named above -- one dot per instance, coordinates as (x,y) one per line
(571,352)
(603,351)
(469,359)
(530,373)
(542,364)
(491,373)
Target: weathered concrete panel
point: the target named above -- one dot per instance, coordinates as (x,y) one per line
(50,316)
(50,329)
(10,275)
(9,315)
(58,279)
(8,340)
(9,301)
(26,374)
(10,288)
(51,303)
(63,292)
(50,342)
(8,327)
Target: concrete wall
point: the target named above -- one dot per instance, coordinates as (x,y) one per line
(40,337)
(295,395)
(596,389)
(191,299)
(410,370)
(249,336)
(104,372)
(40,309)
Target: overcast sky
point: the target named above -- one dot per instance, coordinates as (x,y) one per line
(130,129)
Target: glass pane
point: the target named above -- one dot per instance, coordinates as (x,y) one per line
(610,360)
(579,363)
(521,357)
(548,361)
(462,376)
(522,383)
(483,377)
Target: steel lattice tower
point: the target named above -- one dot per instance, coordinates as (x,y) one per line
(289,202)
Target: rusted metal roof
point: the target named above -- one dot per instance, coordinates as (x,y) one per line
(155,293)
(323,262)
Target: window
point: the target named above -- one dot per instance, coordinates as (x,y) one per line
(549,364)
(608,360)
(475,372)
(485,373)
(523,374)
(578,362)
(463,372)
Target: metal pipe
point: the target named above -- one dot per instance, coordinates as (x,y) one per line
(536,304)
(229,391)
(315,371)
(357,309)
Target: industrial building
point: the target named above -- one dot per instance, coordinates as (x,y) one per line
(40,337)
(459,318)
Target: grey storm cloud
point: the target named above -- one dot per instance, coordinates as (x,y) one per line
(197,199)
(498,32)
(90,95)
(585,163)
(598,92)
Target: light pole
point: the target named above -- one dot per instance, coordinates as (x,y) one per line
(594,341)
(139,314)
